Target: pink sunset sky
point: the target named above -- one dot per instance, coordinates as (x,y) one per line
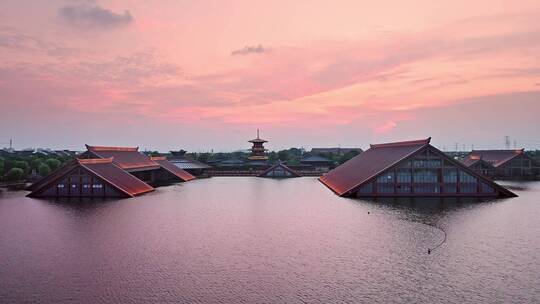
(202,75)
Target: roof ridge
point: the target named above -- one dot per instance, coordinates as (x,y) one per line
(95,160)
(402,143)
(158,157)
(111,148)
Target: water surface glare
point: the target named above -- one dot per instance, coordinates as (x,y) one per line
(256,240)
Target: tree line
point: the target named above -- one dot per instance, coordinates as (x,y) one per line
(18,168)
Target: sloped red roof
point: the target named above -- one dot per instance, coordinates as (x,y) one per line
(495,157)
(115,176)
(127,158)
(173,169)
(293,173)
(366,165)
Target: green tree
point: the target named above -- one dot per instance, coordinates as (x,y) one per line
(347,156)
(1,167)
(14,174)
(53,163)
(35,163)
(21,164)
(44,170)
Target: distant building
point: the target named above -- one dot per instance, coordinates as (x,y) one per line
(338,151)
(108,172)
(258,152)
(232,163)
(410,168)
(507,164)
(279,171)
(195,167)
(318,163)
(190,165)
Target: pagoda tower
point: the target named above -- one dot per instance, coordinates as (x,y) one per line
(258,150)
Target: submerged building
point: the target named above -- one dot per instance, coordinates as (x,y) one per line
(478,165)
(409,168)
(279,170)
(506,164)
(151,170)
(90,178)
(108,172)
(318,163)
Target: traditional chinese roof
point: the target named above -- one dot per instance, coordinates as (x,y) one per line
(279,165)
(127,158)
(371,162)
(171,168)
(105,170)
(257,140)
(495,157)
(471,160)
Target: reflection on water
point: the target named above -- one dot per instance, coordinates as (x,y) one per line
(253,240)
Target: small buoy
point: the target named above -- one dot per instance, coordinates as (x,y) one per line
(368,212)
(429,251)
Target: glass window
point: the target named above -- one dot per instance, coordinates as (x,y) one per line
(60,185)
(385,188)
(466,178)
(426,176)
(450,188)
(468,188)
(404,175)
(450,175)
(426,189)
(420,163)
(487,188)
(387,177)
(367,188)
(434,163)
(403,189)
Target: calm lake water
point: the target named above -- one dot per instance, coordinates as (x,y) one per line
(255,240)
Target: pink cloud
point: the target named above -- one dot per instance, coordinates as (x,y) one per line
(385,127)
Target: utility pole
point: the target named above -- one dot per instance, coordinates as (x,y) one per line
(507,142)
(456,147)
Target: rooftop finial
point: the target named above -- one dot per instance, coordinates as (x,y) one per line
(257,133)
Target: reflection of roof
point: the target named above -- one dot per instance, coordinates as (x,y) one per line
(315,159)
(268,172)
(369,163)
(126,158)
(495,157)
(102,168)
(171,168)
